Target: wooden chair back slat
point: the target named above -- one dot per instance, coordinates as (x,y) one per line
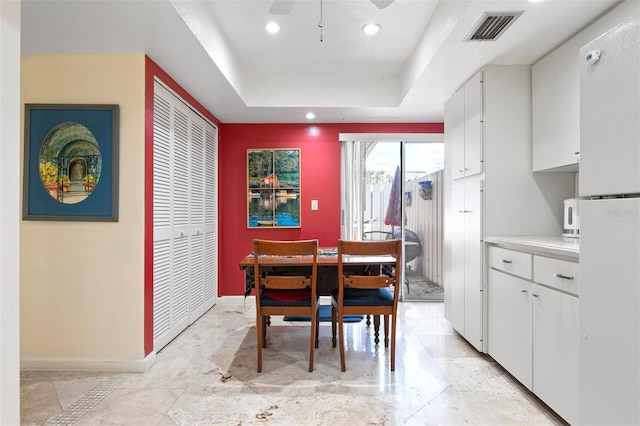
(368,281)
(369,248)
(285,248)
(285,283)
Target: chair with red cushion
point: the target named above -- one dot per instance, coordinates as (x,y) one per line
(293,294)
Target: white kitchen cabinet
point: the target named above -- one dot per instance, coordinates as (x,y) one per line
(454,131)
(509,199)
(511,261)
(533,325)
(555,350)
(556,111)
(509,324)
(454,294)
(473,129)
(556,97)
(466,248)
(465,120)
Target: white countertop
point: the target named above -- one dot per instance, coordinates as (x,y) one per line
(545,245)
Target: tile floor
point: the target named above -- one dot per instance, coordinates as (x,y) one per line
(207,375)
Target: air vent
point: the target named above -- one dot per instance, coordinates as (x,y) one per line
(492,25)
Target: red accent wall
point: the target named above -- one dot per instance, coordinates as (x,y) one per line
(319,180)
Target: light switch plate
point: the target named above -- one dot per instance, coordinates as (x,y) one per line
(314,204)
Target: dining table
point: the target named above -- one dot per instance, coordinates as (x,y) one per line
(327,276)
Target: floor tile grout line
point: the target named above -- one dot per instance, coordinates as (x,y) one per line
(86,402)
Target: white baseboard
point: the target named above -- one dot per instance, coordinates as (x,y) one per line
(237,300)
(88,364)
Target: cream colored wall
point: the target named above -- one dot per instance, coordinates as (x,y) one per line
(81,284)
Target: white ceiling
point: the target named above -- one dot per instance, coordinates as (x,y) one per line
(219,51)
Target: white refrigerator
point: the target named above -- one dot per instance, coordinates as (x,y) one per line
(609,187)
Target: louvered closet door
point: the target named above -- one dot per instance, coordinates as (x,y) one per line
(210,217)
(196,220)
(162,153)
(183,280)
(180,232)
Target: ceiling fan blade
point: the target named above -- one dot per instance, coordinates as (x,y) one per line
(381,4)
(281,7)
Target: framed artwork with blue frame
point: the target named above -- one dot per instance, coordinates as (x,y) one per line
(71,160)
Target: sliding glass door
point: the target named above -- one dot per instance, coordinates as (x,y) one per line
(393,189)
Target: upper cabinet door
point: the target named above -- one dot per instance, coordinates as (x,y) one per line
(473,125)
(556,111)
(463,128)
(454,132)
(609,111)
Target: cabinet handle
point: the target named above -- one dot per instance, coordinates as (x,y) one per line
(465,211)
(524,291)
(505,261)
(462,170)
(577,152)
(535,295)
(564,277)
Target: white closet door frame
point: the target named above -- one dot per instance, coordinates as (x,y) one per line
(185,237)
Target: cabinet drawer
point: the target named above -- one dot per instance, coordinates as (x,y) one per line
(513,262)
(556,273)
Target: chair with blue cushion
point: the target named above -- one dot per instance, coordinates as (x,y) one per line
(376,294)
(291,294)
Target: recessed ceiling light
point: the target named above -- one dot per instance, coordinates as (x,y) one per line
(272,27)
(310,116)
(371,29)
(535,1)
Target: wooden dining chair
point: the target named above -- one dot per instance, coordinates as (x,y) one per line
(291,294)
(375,294)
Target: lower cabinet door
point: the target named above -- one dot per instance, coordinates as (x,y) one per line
(510,324)
(473,263)
(455,287)
(555,350)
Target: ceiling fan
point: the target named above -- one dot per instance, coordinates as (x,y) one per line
(283,7)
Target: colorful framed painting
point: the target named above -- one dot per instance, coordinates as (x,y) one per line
(273,188)
(71,162)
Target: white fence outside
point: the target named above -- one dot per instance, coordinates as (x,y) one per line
(424,217)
